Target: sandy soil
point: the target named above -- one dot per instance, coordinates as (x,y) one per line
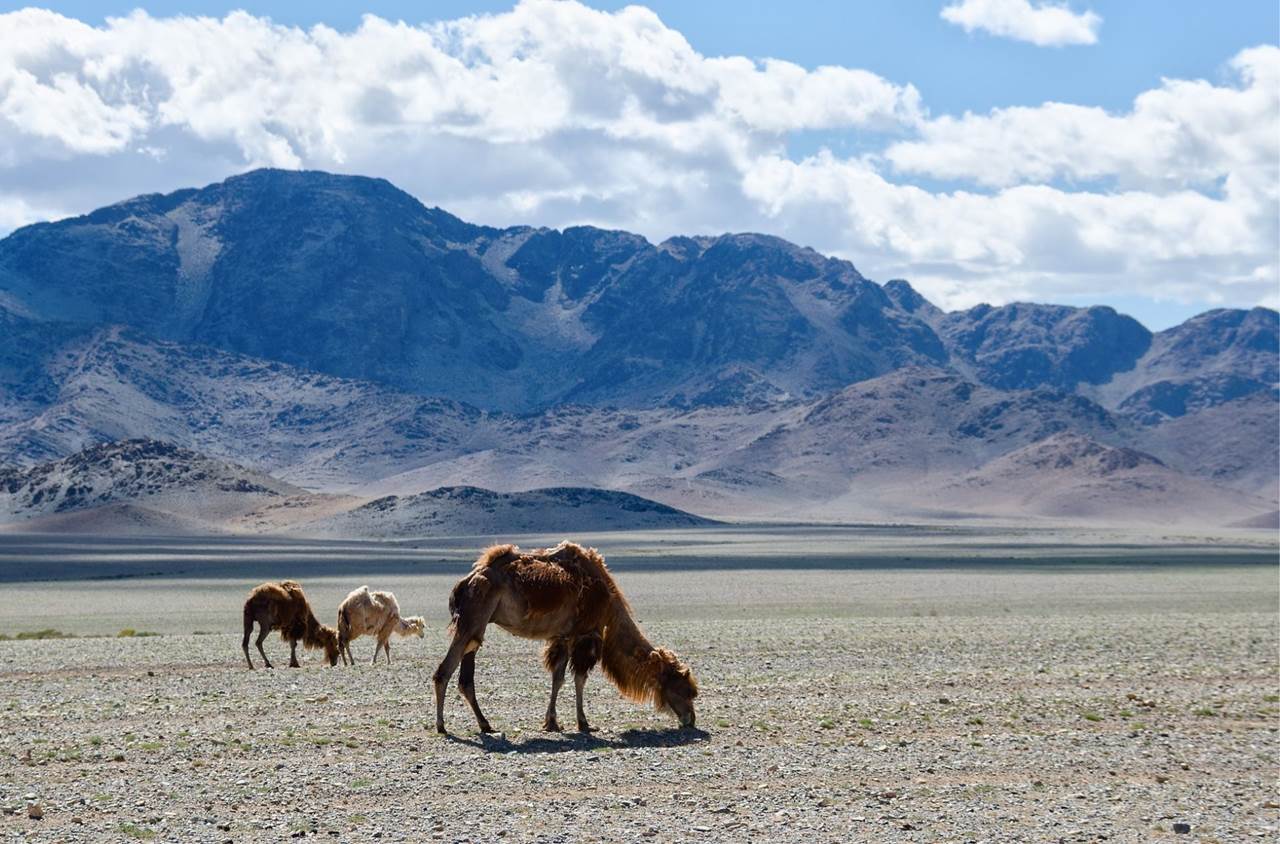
(1011,697)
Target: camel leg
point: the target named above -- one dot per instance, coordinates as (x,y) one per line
(467,685)
(293,655)
(555,657)
(586,652)
(477,605)
(377,645)
(447,666)
(386,649)
(579,681)
(248,631)
(263,630)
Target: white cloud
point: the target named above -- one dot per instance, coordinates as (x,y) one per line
(556,114)
(1042,24)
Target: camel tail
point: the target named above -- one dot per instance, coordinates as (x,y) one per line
(248,620)
(469,593)
(456,597)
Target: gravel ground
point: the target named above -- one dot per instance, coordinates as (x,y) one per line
(1074,704)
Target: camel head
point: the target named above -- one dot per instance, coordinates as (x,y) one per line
(414,625)
(676,686)
(327,638)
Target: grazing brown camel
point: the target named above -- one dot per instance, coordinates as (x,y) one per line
(373,613)
(283,606)
(565,596)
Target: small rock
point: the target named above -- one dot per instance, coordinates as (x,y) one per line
(1182,828)
(1162,778)
(34,811)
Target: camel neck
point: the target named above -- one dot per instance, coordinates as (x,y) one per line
(626,653)
(311,635)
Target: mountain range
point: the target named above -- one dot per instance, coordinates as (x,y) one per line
(336,342)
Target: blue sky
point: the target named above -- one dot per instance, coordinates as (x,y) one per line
(898,182)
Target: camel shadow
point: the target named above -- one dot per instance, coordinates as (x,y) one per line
(579,742)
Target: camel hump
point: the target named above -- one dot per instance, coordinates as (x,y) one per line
(572,555)
(495,555)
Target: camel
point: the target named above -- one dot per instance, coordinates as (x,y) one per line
(376,613)
(566,597)
(283,606)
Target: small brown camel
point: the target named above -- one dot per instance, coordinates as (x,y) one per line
(283,606)
(565,596)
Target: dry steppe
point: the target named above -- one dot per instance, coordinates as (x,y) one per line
(857,684)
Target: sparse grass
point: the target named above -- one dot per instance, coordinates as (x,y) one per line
(974,722)
(826,724)
(1125,713)
(1271,698)
(130,633)
(361,783)
(1091,716)
(1204,712)
(47,633)
(132,830)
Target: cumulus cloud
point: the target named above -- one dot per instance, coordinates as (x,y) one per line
(1042,24)
(557,114)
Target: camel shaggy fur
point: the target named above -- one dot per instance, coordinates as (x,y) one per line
(283,606)
(373,613)
(566,597)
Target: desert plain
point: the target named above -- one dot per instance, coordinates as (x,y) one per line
(857,683)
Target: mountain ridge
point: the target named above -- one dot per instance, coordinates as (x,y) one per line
(336,332)
(352,277)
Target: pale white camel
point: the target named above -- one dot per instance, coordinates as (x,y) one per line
(377,614)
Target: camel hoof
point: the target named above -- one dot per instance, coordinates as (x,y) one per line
(441,730)
(550,727)
(584,727)
(485,728)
